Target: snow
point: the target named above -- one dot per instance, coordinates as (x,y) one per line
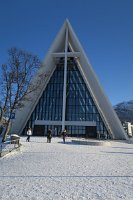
(125,105)
(57,171)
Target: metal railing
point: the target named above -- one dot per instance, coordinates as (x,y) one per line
(8,146)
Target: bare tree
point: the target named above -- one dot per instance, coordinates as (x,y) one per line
(16,84)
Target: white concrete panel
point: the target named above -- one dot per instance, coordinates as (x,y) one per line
(67,123)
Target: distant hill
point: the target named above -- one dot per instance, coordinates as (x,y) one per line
(124,111)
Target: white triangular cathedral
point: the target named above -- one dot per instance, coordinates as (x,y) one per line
(70,96)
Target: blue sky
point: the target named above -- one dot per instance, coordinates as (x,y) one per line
(104,28)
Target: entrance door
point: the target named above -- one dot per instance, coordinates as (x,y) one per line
(91,132)
(39,130)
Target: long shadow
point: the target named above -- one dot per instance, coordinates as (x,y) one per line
(43,153)
(45,142)
(126,153)
(68,143)
(38,142)
(122,148)
(66,176)
(40,152)
(120,141)
(73,143)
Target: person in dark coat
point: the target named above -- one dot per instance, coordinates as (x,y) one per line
(64,135)
(49,136)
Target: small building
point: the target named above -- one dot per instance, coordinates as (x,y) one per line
(128,127)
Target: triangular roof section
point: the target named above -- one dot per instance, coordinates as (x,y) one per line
(103,104)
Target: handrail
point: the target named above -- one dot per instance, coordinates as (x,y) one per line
(8,146)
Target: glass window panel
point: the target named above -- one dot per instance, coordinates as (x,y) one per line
(79,103)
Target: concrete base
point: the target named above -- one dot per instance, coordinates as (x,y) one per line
(91,142)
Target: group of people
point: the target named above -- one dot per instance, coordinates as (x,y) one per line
(49,135)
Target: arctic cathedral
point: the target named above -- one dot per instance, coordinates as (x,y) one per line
(70,96)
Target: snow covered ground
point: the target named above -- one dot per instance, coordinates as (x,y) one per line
(57,171)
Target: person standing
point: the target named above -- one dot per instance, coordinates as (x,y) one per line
(29,133)
(49,136)
(64,135)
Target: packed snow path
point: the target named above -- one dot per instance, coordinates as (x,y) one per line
(57,171)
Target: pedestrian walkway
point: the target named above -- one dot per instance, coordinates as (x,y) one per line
(57,171)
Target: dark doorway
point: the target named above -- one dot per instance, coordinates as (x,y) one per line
(90,132)
(39,130)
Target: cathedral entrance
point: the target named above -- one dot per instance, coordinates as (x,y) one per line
(39,130)
(90,132)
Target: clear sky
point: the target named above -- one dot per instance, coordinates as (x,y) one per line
(104,28)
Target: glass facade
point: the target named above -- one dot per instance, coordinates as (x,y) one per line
(79,103)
